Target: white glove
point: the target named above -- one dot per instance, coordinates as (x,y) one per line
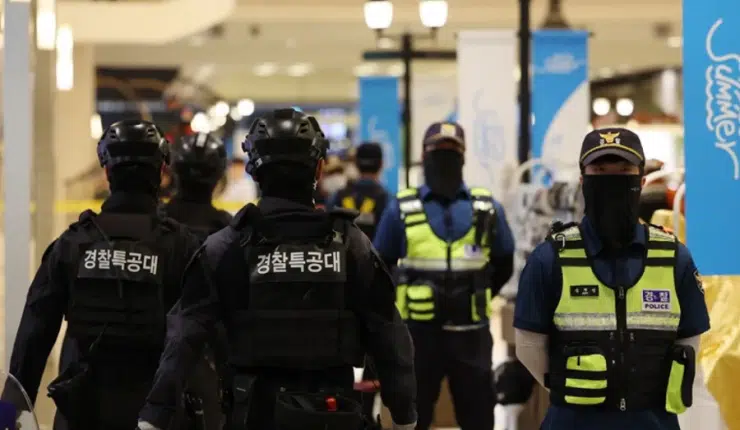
(143,425)
(411,426)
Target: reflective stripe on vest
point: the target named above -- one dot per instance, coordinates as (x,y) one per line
(426,252)
(587,305)
(652,304)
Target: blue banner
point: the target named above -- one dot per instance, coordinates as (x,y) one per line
(380,121)
(560,99)
(711,56)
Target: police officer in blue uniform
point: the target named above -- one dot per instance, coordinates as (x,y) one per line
(454,251)
(113,276)
(199,163)
(302,295)
(366,194)
(609,310)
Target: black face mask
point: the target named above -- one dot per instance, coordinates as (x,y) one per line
(612,203)
(443,172)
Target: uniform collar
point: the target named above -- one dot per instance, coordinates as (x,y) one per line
(592,241)
(426,194)
(128,202)
(273,205)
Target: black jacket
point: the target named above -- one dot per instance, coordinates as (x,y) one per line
(47,300)
(218,275)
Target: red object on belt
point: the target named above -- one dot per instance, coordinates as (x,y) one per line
(331,404)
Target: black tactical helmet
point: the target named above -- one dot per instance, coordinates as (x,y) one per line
(284,135)
(200,157)
(133,141)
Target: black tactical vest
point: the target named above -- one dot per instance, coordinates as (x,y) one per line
(296,317)
(116,286)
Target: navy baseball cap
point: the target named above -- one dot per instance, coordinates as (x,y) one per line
(612,141)
(369,154)
(444,135)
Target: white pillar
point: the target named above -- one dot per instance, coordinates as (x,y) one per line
(18,137)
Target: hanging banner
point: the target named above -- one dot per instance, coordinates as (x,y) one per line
(711,55)
(486,61)
(560,99)
(433,98)
(380,121)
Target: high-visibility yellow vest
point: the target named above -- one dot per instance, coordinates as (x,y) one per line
(611,347)
(440,281)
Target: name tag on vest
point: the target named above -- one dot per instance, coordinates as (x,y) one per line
(656,300)
(128,261)
(584,291)
(298,263)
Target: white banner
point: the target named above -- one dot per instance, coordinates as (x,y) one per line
(487,106)
(433,99)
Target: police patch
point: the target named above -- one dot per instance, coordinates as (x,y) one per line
(656,301)
(472,251)
(699,282)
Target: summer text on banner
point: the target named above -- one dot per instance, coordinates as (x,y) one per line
(560,99)
(486,61)
(711,56)
(380,121)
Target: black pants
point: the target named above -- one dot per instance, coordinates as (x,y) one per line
(464,357)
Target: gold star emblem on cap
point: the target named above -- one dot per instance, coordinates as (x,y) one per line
(448,130)
(609,138)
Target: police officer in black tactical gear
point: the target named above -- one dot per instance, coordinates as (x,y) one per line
(198,162)
(112,276)
(302,295)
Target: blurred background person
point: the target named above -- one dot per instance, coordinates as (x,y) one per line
(239,186)
(655,195)
(332,180)
(365,194)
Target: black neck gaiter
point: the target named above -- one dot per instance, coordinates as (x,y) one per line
(612,203)
(443,172)
(196,192)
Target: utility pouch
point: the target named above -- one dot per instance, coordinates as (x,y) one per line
(242,392)
(585,376)
(679,393)
(71,391)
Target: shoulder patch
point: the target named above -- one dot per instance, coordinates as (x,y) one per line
(699,282)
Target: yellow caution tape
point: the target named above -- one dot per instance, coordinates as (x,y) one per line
(79,206)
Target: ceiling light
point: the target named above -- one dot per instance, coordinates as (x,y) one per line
(200,123)
(395,70)
(386,43)
(625,107)
(234,114)
(265,69)
(96,126)
(601,106)
(245,107)
(299,70)
(216,122)
(366,69)
(675,41)
(433,13)
(378,14)
(46,25)
(220,109)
